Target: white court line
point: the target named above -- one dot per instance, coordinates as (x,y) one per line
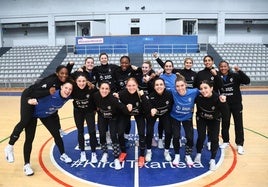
(136,168)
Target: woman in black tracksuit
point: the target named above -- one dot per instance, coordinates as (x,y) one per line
(231,89)
(105,72)
(84,109)
(108,108)
(210,109)
(131,95)
(44,87)
(186,72)
(160,101)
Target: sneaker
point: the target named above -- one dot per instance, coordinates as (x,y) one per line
(9,152)
(197,158)
(65,158)
(189,160)
(148,156)
(62,133)
(154,143)
(240,150)
(167,156)
(28,170)
(83,156)
(122,157)
(104,157)
(94,159)
(176,160)
(212,165)
(160,144)
(141,161)
(209,145)
(117,165)
(224,145)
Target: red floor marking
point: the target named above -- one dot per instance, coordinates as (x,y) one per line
(44,167)
(228,172)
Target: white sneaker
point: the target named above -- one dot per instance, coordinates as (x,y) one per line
(65,158)
(104,157)
(224,145)
(28,170)
(189,160)
(160,144)
(9,152)
(176,160)
(83,156)
(197,158)
(212,165)
(154,143)
(117,165)
(240,150)
(94,159)
(167,156)
(62,133)
(209,145)
(148,156)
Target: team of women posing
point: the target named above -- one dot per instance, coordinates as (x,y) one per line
(117,93)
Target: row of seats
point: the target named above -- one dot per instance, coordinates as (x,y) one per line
(25,64)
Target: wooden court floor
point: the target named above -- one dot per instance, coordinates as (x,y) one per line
(247,170)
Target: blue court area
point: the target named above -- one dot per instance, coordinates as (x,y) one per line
(158,172)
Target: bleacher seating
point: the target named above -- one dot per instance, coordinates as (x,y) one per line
(23,65)
(177,59)
(251,58)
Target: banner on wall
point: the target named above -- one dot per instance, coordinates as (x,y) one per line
(82,41)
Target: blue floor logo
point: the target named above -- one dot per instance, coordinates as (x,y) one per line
(158,172)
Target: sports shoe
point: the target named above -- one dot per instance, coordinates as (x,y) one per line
(141,161)
(28,170)
(197,158)
(209,145)
(224,145)
(212,165)
(62,133)
(154,143)
(94,159)
(176,160)
(83,156)
(65,158)
(189,160)
(148,156)
(240,150)
(104,157)
(117,165)
(122,156)
(167,156)
(160,144)
(9,152)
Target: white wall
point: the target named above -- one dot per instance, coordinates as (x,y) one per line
(152,19)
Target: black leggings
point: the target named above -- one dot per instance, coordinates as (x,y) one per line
(140,120)
(79,117)
(213,127)
(26,115)
(103,123)
(189,134)
(52,123)
(166,126)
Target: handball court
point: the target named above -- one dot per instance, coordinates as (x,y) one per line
(250,169)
